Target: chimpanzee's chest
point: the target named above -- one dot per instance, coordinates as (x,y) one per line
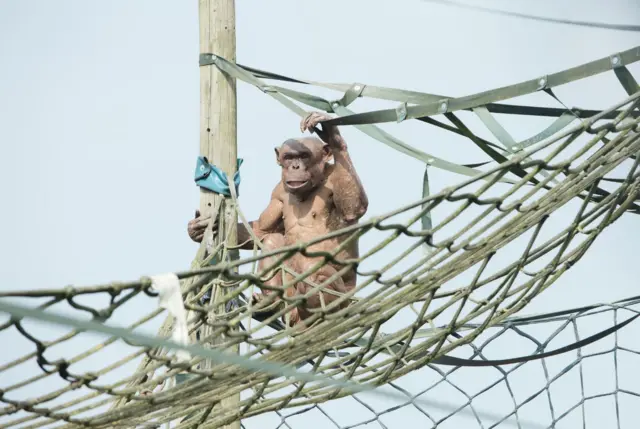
(312,211)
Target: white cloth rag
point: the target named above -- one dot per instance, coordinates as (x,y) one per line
(168,287)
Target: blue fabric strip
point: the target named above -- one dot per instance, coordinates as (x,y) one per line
(210,177)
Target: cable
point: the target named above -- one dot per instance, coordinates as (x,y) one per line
(539,18)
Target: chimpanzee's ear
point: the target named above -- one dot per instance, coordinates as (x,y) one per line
(327,155)
(277,155)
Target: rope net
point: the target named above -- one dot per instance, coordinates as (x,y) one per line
(434,279)
(593,386)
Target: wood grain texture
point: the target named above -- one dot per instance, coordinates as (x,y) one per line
(218,141)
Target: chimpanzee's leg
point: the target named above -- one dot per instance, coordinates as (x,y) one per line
(319,299)
(270,242)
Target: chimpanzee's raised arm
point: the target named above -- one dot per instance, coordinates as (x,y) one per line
(349,195)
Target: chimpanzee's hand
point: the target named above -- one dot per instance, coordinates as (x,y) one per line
(198,225)
(329,133)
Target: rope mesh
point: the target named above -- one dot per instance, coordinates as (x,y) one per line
(594,386)
(493,242)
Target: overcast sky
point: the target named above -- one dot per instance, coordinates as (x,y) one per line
(99,117)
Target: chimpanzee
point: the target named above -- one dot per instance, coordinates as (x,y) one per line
(314,197)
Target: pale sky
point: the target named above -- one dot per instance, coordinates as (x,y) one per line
(99,117)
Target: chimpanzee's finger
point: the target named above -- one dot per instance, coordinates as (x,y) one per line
(201,226)
(203,219)
(318,116)
(308,121)
(310,118)
(314,120)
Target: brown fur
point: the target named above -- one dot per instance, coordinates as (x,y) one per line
(313,198)
(332,198)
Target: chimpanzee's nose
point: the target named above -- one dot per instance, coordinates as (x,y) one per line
(295,166)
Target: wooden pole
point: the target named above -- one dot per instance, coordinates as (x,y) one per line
(218,131)
(218,111)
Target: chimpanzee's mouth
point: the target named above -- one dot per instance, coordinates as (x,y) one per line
(295,184)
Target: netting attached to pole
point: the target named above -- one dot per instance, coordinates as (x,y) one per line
(494,242)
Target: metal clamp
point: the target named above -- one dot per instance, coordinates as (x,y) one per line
(443,106)
(616,61)
(543,82)
(207,59)
(352,94)
(401,112)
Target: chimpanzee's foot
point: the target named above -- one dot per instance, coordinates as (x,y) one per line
(264,305)
(293,316)
(295,319)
